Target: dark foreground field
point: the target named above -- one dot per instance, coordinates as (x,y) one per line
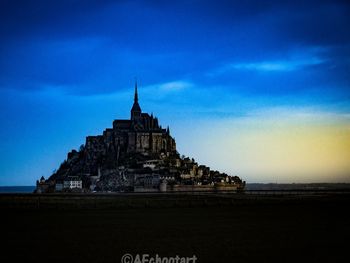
(215,229)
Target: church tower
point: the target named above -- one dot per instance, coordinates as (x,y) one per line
(136,109)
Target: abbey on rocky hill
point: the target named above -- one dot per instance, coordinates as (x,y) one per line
(135,155)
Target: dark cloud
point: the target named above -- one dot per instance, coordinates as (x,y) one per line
(323,24)
(25,17)
(94,44)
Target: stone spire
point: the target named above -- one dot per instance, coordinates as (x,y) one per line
(136,109)
(136,97)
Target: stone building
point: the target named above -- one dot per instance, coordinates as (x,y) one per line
(140,134)
(72,182)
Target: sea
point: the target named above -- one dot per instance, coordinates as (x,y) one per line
(16,189)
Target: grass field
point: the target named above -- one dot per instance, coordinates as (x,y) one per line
(215,229)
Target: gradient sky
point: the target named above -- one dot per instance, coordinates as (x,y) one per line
(258,89)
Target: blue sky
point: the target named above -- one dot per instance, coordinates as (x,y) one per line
(241,83)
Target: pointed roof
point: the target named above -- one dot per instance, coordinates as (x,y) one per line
(136,107)
(136,97)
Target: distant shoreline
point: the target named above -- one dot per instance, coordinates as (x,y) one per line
(249,186)
(16,189)
(75,202)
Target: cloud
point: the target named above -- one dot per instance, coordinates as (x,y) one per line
(100,47)
(288,60)
(175,85)
(166,87)
(270,65)
(277,65)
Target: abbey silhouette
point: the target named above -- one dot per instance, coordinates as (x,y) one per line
(137,154)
